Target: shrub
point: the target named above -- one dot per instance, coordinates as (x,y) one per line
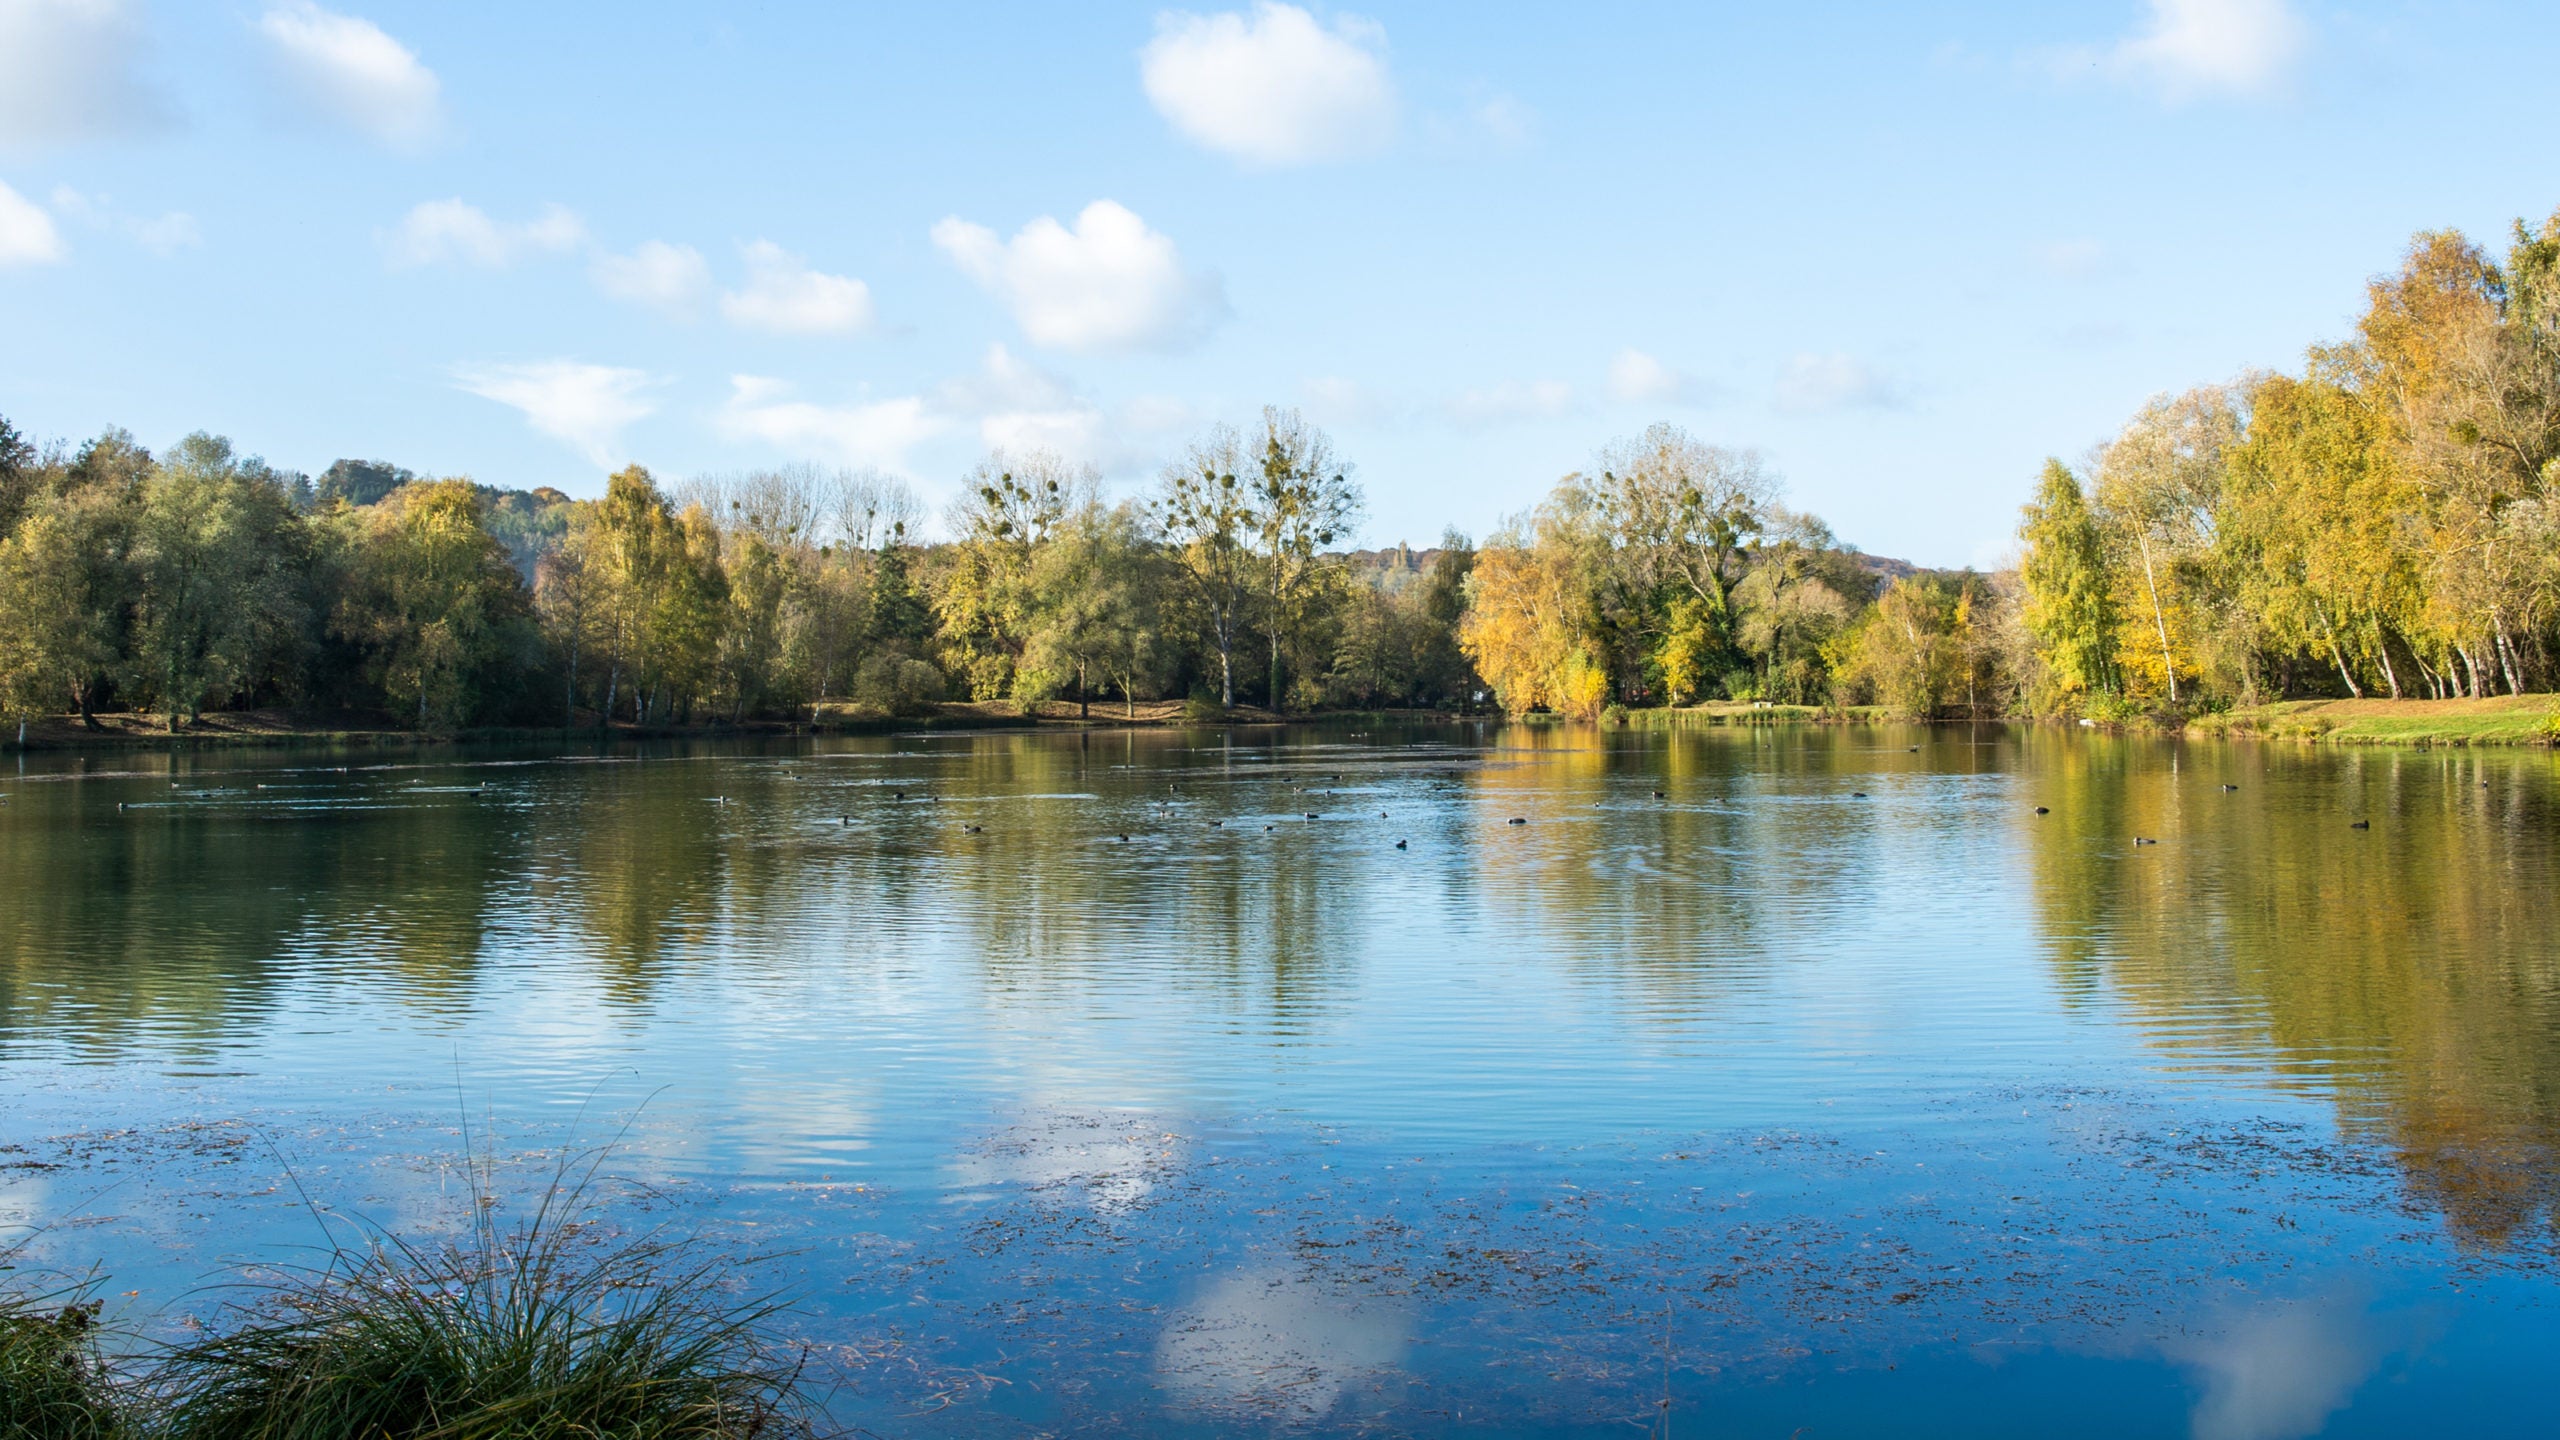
(533,1332)
(53,1381)
(1203,709)
(898,684)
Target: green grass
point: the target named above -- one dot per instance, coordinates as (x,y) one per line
(2502,720)
(541,1331)
(54,1382)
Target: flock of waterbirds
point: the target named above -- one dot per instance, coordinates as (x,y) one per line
(198,790)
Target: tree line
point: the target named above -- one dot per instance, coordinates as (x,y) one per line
(2381,523)
(201,579)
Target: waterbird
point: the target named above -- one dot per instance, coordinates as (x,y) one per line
(1124,839)
(897,794)
(1657,794)
(1517,820)
(1857,794)
(2042,811)
(2359,824)
(1217,824)
(2230,787)
(844,819)
(1381,814)
(1311,814)
(2144,840)
(976,829)
(1399,844)
(1267,829)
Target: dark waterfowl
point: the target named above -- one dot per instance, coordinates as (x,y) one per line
(2042,811)
(2144,840)
(2359,824)
(1517,820)
(1399,844)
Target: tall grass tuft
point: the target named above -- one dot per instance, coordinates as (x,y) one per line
(54,1383)
(523,1332)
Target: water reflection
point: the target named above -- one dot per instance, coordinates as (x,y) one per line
(1275,1345)
(2407,969)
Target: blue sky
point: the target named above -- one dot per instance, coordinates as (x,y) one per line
(1904,251)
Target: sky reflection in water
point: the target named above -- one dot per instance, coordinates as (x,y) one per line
(1831,1087)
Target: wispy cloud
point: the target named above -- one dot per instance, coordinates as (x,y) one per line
(584,406)
(2188,49)
(861,432)
(1637,378)
(350,72)
(670,279)
(457,232)
(1835,382)
(163,235)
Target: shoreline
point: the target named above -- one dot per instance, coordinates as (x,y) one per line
(2517,721)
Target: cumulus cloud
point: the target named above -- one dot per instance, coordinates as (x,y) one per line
(1274,87)
(456,232)
(584,406)
(1835,382)
(28,235)
(878,432)
(2190,48)
(1512,400)
(1109,283)
(1639,379)
(351,73)
(72,70)
(784,296)
(664,277)
(163,235)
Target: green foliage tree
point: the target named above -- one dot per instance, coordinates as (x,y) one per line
(2069,596)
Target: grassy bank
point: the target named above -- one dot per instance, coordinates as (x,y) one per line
(2501,720)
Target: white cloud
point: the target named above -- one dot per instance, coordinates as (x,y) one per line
(349,71)
(1109,283)
(1340,401)
(1639,379)
(2201,47)
(71,70)
(27,233)
(1835,382)
(1512,400)
(1272,88)
(454,231)
(1018,406)
(786,297)
(664,277)
(584,405)
(878,432)
(162,235)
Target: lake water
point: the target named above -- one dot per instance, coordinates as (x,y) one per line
(1765,1082)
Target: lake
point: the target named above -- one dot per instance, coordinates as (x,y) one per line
(1766,1081)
